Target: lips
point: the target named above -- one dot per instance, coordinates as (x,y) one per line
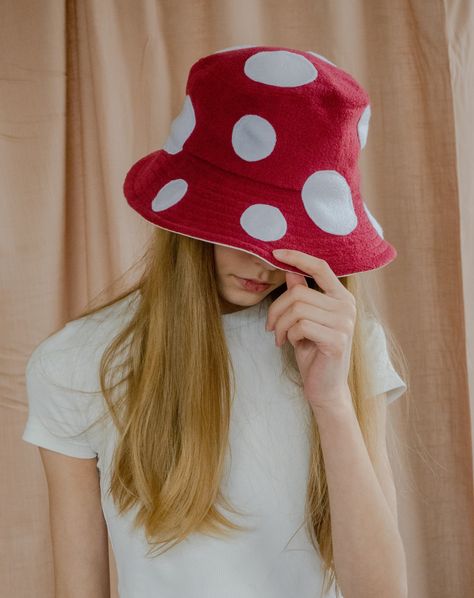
(251,285)
(256,281)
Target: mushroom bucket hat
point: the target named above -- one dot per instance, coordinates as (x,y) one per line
(264,155)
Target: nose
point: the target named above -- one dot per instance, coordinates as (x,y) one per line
(265,264)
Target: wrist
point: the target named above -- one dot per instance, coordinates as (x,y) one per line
(338,405)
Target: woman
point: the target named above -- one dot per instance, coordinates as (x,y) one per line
(224,419)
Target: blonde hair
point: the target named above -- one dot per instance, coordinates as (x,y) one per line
(170,399)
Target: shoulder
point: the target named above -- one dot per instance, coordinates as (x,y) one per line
(385,377)
(68,355)
(62,382)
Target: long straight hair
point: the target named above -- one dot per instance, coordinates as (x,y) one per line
(166,381)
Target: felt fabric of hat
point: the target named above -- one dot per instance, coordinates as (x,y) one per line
(264,155)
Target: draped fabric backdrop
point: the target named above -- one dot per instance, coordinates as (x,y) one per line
(88,87)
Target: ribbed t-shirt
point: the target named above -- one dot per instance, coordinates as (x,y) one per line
(266,471)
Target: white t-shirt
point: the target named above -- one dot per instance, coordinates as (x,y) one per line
(266,476)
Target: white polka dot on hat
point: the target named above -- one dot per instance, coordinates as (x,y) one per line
(253,137)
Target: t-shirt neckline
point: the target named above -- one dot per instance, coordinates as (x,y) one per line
(246,316)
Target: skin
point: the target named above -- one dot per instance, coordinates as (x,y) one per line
(232,262)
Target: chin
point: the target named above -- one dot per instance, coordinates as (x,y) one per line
(244,298)
(233,298)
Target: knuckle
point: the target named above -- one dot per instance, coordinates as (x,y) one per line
(304,325)
(347,325)
(297,308)
(351,307)
(295,292)
(352,300)
(340,342)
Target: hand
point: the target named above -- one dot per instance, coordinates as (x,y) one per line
(319,325)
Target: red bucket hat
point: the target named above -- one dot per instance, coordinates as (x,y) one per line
(264,155)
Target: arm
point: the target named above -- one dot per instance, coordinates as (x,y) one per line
(368,551)
(78,529)
(382,466)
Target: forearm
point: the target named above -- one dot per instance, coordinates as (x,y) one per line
(368,551)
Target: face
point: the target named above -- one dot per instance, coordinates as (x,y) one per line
(235,265)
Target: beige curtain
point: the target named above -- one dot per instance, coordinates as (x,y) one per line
(89,86)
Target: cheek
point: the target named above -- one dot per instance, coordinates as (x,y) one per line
(229,260)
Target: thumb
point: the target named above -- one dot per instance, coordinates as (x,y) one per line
(293,278)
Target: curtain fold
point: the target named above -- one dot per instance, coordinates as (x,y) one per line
(89,87)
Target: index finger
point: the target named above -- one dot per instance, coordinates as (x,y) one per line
(316,267)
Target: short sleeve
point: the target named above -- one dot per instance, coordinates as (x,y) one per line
(386,378)
(57,414)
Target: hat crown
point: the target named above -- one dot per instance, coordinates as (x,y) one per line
(275,114)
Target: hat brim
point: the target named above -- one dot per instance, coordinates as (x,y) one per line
(197,214)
